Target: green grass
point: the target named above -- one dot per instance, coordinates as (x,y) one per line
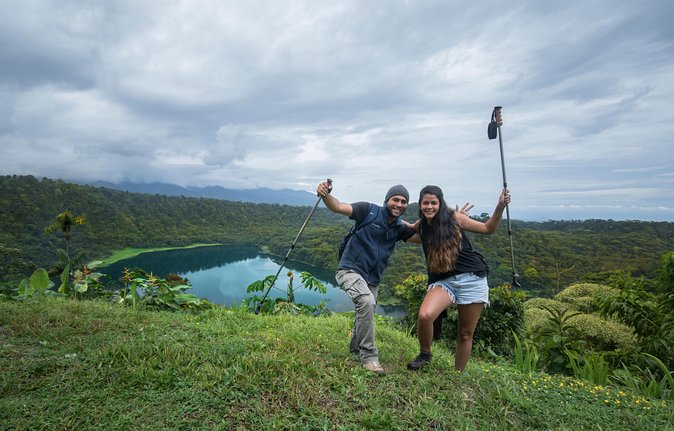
(69,365)
(132,252)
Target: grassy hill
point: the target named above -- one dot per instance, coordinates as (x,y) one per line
(92,365)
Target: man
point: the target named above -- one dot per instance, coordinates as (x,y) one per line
(364,259)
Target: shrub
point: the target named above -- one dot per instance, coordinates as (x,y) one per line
(602,334)
(499,321)
(535,314)
(584,296)
(648,310)
(534,319)
(503,317)
(542,303)
(412,290)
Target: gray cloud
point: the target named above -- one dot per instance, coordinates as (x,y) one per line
(268,94)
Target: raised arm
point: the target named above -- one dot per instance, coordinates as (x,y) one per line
(490,226)
(323,190)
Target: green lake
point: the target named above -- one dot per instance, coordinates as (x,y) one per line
(222,273)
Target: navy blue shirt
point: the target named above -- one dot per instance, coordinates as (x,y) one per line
(370,248)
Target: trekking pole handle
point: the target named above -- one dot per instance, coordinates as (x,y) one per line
(497,115)
(329,181)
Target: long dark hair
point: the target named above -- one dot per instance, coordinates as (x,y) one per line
(443,236)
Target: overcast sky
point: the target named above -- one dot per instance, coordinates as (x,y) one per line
(370,93)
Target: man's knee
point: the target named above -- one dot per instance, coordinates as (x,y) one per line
(365,302)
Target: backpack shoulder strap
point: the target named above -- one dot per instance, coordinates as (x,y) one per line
(369,218)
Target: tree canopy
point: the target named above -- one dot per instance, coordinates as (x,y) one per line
(548,255)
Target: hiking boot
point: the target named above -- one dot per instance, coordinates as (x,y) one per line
(374,367)
(420,361)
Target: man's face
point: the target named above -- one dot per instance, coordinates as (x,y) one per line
(396,204)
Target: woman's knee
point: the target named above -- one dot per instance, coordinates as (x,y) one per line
(465,336)
(426,315)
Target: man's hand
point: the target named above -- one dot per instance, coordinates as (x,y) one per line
(323,189)
(332,203)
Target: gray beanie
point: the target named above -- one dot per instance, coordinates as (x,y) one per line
(397,190)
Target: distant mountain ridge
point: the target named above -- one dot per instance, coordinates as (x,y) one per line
(259,195)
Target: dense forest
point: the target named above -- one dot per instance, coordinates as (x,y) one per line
(548,255)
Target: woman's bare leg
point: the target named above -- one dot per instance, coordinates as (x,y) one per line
(435,302)
(469,314)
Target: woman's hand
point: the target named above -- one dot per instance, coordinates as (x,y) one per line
(504,199)
(414,226)
(465,209)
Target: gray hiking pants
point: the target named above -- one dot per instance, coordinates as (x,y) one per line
(364,298)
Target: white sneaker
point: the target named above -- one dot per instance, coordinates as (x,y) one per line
(374,367)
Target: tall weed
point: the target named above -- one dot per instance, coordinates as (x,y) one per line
(526,355)
(645,382)
(591,367)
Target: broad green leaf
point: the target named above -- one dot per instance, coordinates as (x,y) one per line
(134,295)
(25,288)
(80,287)
(311,283)
(256,286)
(39,280)
(63,288)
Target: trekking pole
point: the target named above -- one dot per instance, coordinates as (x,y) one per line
(292,246)
(494,127)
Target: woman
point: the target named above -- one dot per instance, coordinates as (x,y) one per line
(457,275)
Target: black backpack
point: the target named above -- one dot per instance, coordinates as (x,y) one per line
(371,216)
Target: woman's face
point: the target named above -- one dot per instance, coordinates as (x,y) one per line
(429,205)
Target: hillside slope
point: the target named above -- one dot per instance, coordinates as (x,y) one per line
(547,255)
(92,365)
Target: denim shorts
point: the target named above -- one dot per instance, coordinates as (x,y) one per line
(466,288)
